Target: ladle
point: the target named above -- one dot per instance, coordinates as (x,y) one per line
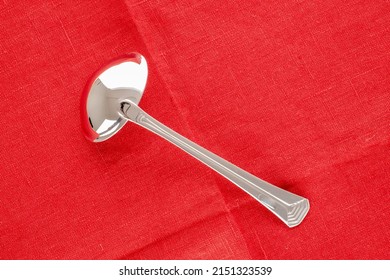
(111,98)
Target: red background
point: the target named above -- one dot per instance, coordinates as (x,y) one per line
(295,92)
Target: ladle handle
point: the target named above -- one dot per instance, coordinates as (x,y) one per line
(289,207)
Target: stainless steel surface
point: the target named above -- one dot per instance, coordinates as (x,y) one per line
(112,101)
(126,79)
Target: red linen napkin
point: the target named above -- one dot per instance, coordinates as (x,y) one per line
(295,92)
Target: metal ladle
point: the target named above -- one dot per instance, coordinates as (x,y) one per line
(111,98)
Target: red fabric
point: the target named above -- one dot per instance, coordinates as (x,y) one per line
(295,92)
